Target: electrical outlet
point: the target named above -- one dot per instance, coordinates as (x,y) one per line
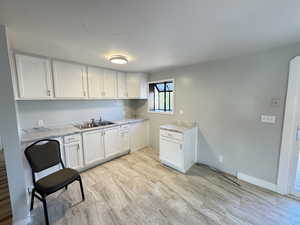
(220,159)
(40,123)
(268,119)
(275,102)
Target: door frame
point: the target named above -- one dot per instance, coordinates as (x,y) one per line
(288,151)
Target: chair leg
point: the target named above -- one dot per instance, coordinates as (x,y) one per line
(45,210)
(81,188)
(32,199)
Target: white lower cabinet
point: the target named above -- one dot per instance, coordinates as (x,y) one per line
(73,151)
(112,141)
(178,147)
(93,146)
(103,144)
(81,151)
(124,138)
(139,135)
(171,152)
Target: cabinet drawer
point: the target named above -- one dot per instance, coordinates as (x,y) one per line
(171,134)
(72,138)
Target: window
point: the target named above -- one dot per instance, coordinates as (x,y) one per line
(161,96)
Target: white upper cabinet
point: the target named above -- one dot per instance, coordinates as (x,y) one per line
(137,85)
(34,77)
(38,79)
(96,82)
(70,80)
(122,85)
(102,83)
(110,84)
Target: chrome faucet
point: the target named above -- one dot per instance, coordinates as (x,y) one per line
(92,122)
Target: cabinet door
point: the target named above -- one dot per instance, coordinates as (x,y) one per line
(137,85)
(93,146)
(171,152)
(34,77)
(125,144)
(70,80)
(110,84)
(111,141)
(144,86)
(73,154)
(122,85)
(96,82)
(133,85)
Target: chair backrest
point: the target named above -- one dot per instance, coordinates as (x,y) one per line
(43,154)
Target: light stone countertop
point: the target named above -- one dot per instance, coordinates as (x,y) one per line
(178,127)
(42,133)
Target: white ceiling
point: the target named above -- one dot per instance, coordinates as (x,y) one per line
(155,34)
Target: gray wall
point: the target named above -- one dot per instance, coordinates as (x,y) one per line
(9,135)
(56,113)
(227,98)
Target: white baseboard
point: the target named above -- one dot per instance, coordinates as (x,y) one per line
(25,221)
(257,182)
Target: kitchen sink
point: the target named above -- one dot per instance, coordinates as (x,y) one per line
(93,125)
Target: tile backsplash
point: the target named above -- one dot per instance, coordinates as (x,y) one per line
(56,113)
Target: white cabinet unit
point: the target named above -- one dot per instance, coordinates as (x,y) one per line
(38,78)
(139,135)
(93,146)
(34,77)
(178,146)
(110,84)
(124,137)
(96,82)
(70,80)
(73,151)
(122,85)
(137,85)
(112,141)
(102,83)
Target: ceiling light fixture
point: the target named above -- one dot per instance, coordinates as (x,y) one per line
(118,59)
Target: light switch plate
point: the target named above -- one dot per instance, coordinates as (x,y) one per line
(268,119)
(40,123)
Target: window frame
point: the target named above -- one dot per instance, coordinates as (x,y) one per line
(173,102)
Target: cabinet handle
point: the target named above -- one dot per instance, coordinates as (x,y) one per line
(49,93)
(180,146)
(84,93)
(78,147)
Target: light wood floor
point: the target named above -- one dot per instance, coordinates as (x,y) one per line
(137,190)
(5,208)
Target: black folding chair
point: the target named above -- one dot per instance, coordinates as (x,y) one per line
(42,155)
